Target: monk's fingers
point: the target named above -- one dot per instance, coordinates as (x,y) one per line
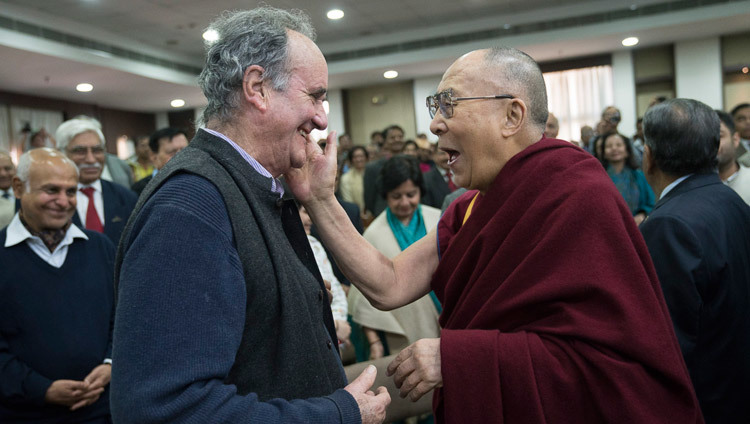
(419,391)
(404,370)
(409,384)
(398,360)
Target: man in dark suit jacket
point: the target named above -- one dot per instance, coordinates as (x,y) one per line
(164,144)
(102,206)
(698,235)
(118,204)
(435,181)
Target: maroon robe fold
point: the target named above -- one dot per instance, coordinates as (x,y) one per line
(552,311)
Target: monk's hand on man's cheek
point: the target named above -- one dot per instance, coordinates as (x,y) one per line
(416,369)
(316,178)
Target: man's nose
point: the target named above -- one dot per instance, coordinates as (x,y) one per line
(320,120)
(63,200)
(437,125)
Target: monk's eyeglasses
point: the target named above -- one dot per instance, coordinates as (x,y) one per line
(444,102)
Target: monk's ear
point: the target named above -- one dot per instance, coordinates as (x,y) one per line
(515,116)
(254,87)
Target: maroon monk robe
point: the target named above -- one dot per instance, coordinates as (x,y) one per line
(552,311)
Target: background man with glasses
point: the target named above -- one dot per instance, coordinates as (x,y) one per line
(531,331)
(103,206)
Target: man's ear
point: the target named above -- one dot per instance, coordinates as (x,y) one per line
(254,90)
(736,139)
(647,161)
(515,115)
(18,187)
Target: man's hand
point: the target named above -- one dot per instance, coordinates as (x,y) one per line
(66,392)
(343,331)
(97,380)
(416,369)
(99,377)
(316,179)
(328,289)
(371,406)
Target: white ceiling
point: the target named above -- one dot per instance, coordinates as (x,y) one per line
(171,29)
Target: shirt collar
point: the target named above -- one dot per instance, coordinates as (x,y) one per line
(96,185)
(276,185)
(674,184)
(733,176)
(17,233)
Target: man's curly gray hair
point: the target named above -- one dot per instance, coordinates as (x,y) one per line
(246,38)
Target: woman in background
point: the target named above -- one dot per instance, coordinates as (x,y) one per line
(402,223)
(622,168)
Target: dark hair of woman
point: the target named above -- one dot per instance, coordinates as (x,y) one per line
(350,154)
(398,170)
(630,162)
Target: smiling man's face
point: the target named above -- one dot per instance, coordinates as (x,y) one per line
(299,108)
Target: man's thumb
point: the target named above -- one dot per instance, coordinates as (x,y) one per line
(365,380)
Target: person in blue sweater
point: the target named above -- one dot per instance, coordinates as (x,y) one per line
(56,302)
(222,315)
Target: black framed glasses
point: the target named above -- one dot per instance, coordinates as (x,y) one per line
(81,151)
(444,101)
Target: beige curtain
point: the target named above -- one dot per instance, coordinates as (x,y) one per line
(36,120)
(578,96)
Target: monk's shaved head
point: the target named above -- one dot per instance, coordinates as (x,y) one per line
(521,76)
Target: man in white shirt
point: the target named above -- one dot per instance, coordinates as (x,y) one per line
(57,301)
(731,172)
(83,142)
(741,116)
(7,200)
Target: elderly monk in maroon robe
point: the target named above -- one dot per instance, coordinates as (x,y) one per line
(533,330)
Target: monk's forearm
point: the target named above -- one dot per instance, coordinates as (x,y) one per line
(365,266)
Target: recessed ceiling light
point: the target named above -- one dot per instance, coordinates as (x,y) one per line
(745,70)
(211,35)
(507,26)
(84,87)
(633,7)
(335,14)
(177,103)
(630,41)
(390,74)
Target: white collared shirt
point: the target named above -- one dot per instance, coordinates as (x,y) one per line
(674,183)
(83,201)
(276,185)
(17,234)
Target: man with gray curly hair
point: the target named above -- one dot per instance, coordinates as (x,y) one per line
(237,327)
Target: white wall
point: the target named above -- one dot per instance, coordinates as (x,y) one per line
(623,77)
(698,72)
(424,87)
(335,112)
(162,120)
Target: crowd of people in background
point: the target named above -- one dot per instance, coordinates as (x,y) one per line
(68,204)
